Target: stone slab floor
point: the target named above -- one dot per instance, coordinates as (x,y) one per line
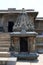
(35,62)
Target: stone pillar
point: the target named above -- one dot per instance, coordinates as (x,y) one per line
(16,44)
(32,44)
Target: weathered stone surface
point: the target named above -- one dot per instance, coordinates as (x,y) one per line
(4,44)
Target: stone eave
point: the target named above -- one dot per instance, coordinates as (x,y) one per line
(18,11)
(23,34)
(39,19)
(33,13)
(39,36)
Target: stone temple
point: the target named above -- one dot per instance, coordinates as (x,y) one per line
(21,33)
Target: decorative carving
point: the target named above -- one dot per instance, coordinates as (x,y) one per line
(23,22)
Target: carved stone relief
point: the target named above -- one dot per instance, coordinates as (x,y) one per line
(23,22)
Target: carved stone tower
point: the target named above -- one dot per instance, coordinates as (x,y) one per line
(23,22)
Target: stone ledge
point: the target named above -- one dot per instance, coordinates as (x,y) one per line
(30,56)
(8,59)
(4,54)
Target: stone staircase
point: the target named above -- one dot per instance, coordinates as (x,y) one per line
(4,44)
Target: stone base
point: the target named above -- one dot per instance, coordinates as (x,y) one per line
(26,56)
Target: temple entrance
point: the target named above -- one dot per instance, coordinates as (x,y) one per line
(10,26)
(23,44)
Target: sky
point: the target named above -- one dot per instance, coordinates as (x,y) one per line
(37,5)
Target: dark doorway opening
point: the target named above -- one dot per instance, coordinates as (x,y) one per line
(10,26)
(23,44)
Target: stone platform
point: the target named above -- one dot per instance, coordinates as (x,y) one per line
(39,61)
(26,56)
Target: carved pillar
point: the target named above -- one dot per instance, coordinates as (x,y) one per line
(32,44)
(16,44)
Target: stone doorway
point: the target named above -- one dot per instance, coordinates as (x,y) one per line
(23,44)
(10,26)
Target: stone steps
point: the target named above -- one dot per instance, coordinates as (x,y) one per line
(4,41)
(4,49)
(4,38)
(4,54)
(4,44)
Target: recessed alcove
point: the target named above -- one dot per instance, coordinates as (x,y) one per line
(10,26)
